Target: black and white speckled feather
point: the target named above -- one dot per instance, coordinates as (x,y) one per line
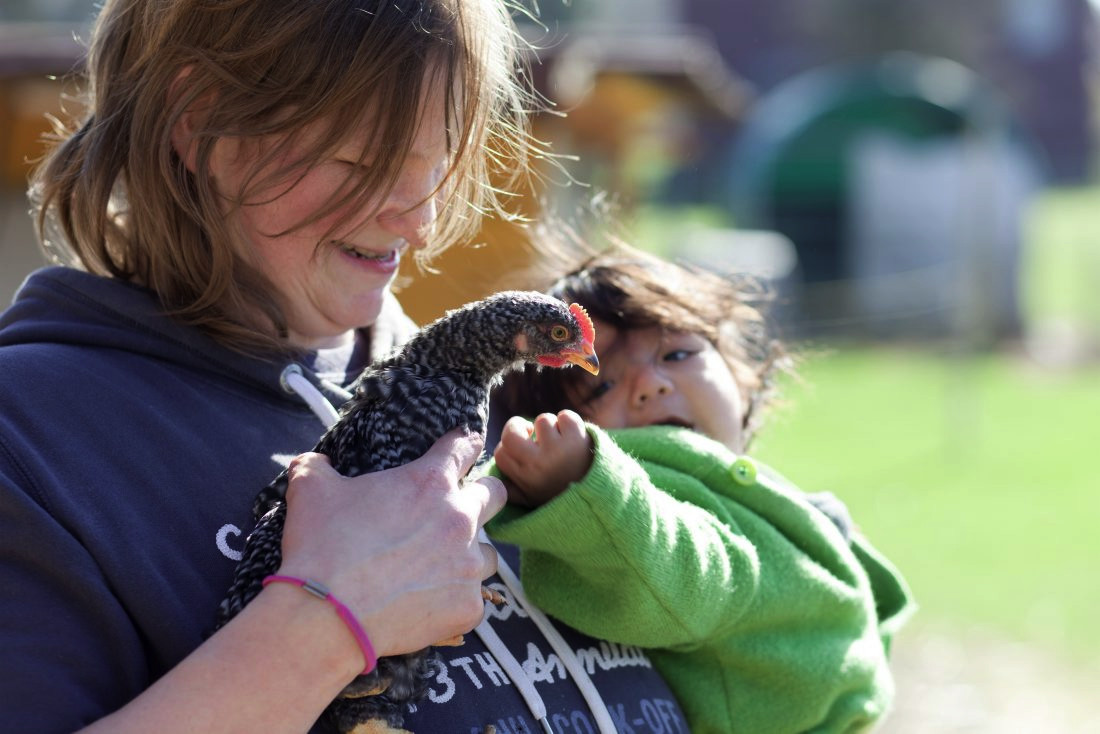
(401,405)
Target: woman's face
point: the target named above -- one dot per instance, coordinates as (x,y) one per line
(651,376)
(326,282)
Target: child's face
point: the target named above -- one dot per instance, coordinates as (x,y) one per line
(648,377)
(328,284)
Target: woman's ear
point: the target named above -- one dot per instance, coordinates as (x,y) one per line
(183,127)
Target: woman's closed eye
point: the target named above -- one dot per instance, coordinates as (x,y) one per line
(361,167)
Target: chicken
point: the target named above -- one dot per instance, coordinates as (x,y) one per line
(400,405)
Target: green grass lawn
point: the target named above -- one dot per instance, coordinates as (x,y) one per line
(977,476)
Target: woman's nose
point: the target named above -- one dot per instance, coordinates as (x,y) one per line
(410,210)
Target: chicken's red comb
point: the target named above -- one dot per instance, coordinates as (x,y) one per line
(588,331)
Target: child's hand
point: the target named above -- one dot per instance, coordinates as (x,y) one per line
(539,460)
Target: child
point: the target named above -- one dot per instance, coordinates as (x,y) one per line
(645,524)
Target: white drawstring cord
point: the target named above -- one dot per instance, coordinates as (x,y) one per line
(514,670)
(604,723)
(344,395)
(294,381)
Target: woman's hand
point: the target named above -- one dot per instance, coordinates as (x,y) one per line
(541,459)
(398,547)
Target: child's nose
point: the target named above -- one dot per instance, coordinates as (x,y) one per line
(649,383)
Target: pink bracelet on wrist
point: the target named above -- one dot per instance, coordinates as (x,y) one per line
(321,591)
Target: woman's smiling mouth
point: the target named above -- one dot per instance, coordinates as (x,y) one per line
(392,254)
(388,259)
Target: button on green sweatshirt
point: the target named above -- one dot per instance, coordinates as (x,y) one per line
(749,600)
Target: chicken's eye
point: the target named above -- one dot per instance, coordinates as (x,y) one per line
(559,333)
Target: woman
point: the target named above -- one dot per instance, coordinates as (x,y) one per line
(247,178)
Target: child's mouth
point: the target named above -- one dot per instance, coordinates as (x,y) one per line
(676,422)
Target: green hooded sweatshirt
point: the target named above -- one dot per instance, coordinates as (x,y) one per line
(759,613)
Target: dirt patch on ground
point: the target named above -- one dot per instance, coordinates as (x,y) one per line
(973,684)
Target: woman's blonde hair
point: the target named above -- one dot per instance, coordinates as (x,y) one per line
(114,197)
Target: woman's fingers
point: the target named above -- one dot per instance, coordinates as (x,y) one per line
(456,451)
(490,495)
(399,546)
(308,470)
(492,560)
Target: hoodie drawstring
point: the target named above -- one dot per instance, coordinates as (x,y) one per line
(514,671)
(591,694)
(293,380)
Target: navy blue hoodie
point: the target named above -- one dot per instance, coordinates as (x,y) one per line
(131,447)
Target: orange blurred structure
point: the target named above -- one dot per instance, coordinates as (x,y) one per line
(622,98)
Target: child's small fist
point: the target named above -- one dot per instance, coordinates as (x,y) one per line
(542,458)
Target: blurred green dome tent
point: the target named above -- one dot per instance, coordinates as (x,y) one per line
(901,183)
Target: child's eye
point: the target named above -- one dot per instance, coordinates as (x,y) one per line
(599,391)
(679,346)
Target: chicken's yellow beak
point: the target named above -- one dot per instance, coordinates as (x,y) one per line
(585,357)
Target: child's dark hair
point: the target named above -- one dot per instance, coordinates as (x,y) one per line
(630,289)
